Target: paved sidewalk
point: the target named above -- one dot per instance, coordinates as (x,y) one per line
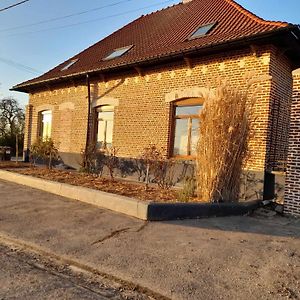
(217,258)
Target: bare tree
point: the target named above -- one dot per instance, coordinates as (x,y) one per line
(12,121)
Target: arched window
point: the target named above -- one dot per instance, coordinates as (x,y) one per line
(45,124)
(186,127)
(104,123)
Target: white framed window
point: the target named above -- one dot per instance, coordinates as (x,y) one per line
(186,127)
(46,124)
(104,126)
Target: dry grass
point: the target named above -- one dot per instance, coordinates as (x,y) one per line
(226,126)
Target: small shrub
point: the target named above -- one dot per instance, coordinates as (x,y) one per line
(87,158)
(35,151)
(164,173)
(45,150)
(140,168)
(158,166)
(111,160)
(127,167)
(189,189)
(92,160)
(150,156)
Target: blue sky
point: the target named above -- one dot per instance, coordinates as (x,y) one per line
(41,47)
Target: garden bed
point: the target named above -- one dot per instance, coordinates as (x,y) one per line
(117,186)
(5,165)
(105,193)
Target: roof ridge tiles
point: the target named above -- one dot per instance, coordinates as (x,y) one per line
(254,17)
(162,9)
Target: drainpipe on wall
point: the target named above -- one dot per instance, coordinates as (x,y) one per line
(89,112)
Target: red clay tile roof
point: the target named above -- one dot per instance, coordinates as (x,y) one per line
(164,33)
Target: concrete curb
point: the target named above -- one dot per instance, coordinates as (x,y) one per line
(150,211)
(117,203)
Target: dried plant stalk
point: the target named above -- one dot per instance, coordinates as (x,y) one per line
(226,126)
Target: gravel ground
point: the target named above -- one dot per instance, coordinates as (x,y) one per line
(27,276)
(249,257)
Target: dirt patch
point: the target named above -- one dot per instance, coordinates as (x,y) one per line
(120,187)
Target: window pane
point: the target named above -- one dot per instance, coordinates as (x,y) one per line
(69,64)
(181,137)
(101,131)
(202,30)
(195,136)
(186,129)
(117,53)
(109,132)
(105,126)
(108,115)
(46,124)
(188,110)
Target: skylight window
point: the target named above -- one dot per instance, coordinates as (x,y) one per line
(118,52)
(69,64)
(202,30)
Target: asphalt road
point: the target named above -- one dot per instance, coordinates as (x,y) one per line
(250,257)
(24,275)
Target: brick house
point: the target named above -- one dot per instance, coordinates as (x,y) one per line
(141,84)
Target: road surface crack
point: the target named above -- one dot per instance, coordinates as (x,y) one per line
(111,235)
(142,227)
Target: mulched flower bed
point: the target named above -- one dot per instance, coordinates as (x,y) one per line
(120,187)
(13,165)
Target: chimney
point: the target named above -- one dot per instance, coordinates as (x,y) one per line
(186,1)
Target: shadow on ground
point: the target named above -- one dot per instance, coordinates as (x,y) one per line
(274,226)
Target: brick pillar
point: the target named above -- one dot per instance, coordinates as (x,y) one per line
(292,184)
(27,132)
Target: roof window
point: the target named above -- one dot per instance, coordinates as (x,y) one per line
(118,52)
(69,64)
(202,30)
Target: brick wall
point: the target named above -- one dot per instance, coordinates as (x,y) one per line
(292,183)
(69,116)
(279,111)
(143,114)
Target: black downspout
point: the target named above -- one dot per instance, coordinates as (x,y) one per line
(89,113)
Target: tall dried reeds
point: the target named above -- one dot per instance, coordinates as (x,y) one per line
(226,126)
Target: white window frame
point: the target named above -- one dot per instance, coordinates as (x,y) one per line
(46,124)
(100,109)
